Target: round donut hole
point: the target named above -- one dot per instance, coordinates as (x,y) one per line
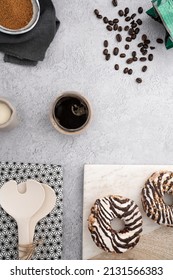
(117,224)
(168,199)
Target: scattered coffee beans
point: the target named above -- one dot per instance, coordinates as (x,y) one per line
(144,68)
(139,80)
(159,41)
(132,30)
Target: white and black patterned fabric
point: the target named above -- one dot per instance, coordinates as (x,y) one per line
(49,229)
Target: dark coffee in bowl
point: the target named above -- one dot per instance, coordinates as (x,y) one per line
(71,112)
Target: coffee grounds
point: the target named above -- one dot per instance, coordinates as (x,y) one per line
(15,14)
(71,113)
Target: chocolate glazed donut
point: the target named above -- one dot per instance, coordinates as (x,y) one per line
(155,188)
(99,223)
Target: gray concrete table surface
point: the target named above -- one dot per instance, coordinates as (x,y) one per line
(132,124)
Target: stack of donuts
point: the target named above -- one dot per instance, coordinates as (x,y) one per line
(108,208)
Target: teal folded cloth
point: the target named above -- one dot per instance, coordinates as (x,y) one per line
(31,47)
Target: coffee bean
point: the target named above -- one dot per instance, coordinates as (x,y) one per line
(126,28)
(129,60)
(130,71)
(126,70)
(128,39)
(144,52)
(127,18)
(133,53)
(147,42)
(108,56)
(105,51)
(120,28)
(105,43)
(96,12)
(99,16)
(114,3)
(139,21)
(145,46)
(116,67)
(122,55)
(139,80)
(142,49)
(144,37)
(137,30)
(118,37)
(152,48)
(142,58)
(144,68)
(126,46)
(116,20)
(133,25)
(133,36)
(135,59)
(150,57)
(159,41)
(126,11)
(121,13)
(115,51)
(133,16)
(131,31)
(140,10)
(110,22)
(115,26)
(140,45)
(105,20)
(109,28)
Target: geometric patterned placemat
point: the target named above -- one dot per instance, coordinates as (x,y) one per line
(49,229)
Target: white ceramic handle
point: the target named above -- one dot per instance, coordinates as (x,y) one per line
(23,233)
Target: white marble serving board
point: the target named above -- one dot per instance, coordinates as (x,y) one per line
(125,180)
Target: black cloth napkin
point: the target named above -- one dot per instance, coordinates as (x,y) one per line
(31,47)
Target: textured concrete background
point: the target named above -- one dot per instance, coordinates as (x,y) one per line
(132,123)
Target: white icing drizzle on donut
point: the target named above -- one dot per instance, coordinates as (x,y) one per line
(103,212)
(160,183)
